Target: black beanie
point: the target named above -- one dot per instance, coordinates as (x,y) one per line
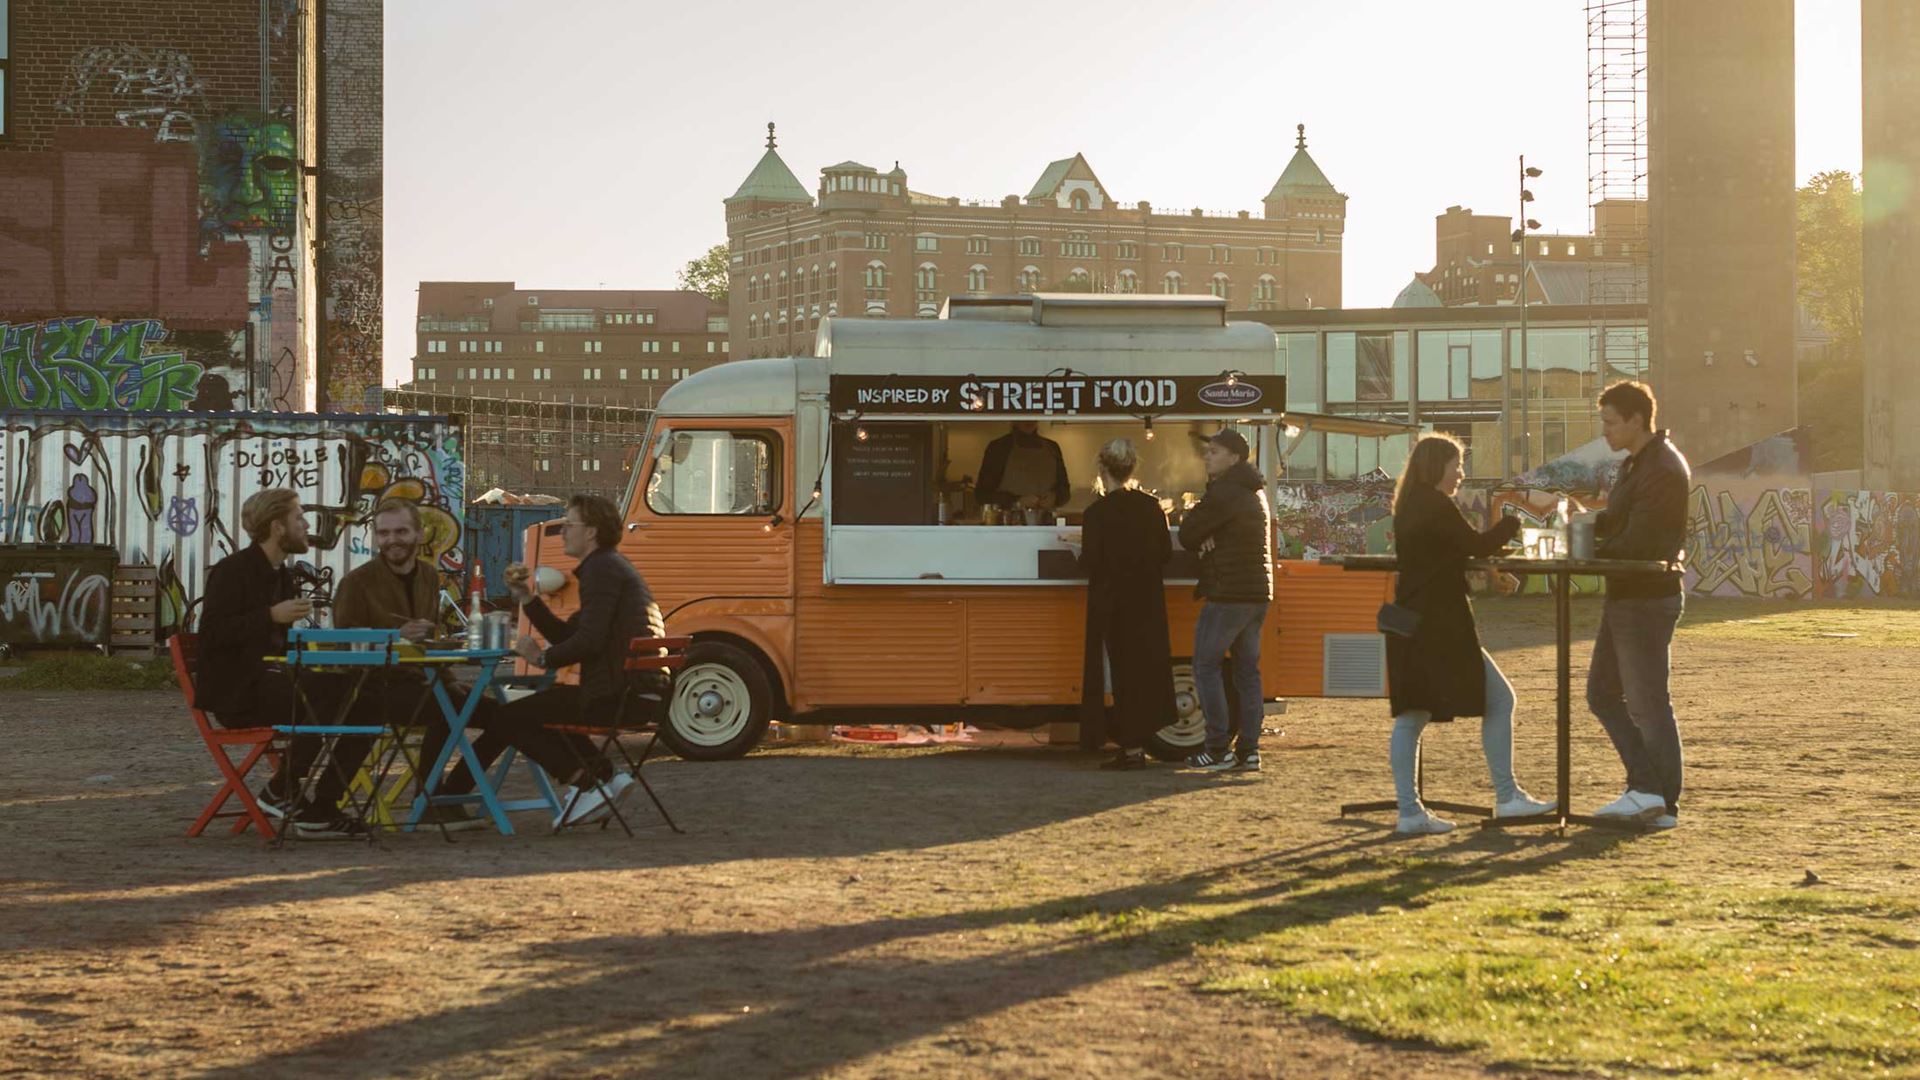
(1233,442)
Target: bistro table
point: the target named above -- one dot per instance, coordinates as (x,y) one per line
(439,664)
(1562,572)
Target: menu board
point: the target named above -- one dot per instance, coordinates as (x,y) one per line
(884,479)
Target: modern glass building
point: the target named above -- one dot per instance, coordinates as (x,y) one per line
(1456,370)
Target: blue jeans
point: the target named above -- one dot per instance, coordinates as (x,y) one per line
(1224,628)
(1496,741)
(1627,690)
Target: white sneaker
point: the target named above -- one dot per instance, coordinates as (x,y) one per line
(1634,806)
(1665,821)
(1423,824)
(1523,805)
(598,802)
(565,796)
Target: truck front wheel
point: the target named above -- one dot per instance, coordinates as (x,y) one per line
(722,703)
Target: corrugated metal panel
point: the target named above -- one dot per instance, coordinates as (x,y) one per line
(165,489)
(1312,601)
(879,650)
(1025,649)
(495,539)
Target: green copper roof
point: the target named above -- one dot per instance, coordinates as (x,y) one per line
(1302,175)
(773,181)
(1049,181)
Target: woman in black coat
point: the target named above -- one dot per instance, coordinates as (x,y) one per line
(1126,548)
(1441,671)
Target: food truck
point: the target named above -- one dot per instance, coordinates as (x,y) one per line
(817,524)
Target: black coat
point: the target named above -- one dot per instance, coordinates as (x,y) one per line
(1646,518)
(615,607)
(993,469)
(1439,669)
(1234,515)
(1125,553)
(237,633)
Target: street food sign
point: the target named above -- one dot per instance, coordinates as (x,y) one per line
(1057,395)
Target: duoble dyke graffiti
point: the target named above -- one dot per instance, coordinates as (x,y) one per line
(91,364)
(167,490)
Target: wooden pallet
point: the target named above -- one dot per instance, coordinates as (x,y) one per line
(135,612)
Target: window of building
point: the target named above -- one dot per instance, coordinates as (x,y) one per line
(1029,245)
(926,281)
(1127,282)
(1218,286)
(488,302)
(709,346)
(1078,200)
(1319,236)
(676,345)
(591,346)
(976,278)
(977,245)
(546,464)
(783,285)
(1170,284)
(715,472)
(1078,246)
(875,278)
(1174,253)
(1544,246)
(591,374)
(876,241)
(1220,253)
(650,346)
(1030,279)
(1263,289)
(1129,249)
(926,243)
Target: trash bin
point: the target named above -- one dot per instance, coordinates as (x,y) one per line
(56,595)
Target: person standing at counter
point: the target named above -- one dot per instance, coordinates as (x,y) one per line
(1231,528)
(1627,684)
(1023,468)
(1125,551)
(1441,671)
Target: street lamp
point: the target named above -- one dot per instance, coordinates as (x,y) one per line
(1520,237)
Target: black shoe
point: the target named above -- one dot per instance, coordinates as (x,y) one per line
(322,826)
(1126,759)
(1247,762)
(271,804)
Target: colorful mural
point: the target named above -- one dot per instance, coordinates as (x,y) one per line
(92,364)
(166,490)
(1750,522)
(1867,544)
(1334,517)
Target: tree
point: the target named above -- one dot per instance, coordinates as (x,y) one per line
(1828,281)
(708,274)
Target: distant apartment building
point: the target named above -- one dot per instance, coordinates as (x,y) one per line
(1477,261)
(601,347)
(865,244)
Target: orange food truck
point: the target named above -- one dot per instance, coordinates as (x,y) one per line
(813,524)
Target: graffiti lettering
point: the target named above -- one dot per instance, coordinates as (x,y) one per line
(1757,549)
(91,365)
(1869,545)
(77,614)
(163,78)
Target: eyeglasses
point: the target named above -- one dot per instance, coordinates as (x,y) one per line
(573,524)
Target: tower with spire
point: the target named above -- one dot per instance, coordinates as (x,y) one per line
(1315,214)
(770,187)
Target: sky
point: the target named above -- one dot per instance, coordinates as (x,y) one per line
(589,143)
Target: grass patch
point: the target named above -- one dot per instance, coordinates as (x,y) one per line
(90,671)
(1635,978)
(1894,624)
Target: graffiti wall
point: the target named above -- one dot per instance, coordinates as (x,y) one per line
(350,204)
(1334,517)
(152,173)
(1750,522)
(62,597)
(1867,545)
(166,490)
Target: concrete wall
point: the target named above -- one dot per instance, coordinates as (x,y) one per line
(351,186)
(1890,64)
(1721,193)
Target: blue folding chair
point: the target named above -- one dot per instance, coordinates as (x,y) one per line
(308,649)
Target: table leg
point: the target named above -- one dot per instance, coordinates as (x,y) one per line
(1563,638)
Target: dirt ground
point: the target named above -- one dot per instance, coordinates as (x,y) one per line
(843,910)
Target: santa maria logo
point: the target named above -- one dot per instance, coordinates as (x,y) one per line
(1229,395)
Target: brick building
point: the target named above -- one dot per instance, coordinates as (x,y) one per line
(613,347)
(1476,260)
(865,243)
(166,173)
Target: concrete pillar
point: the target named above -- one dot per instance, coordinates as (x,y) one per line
(1890,115)
(1721,220)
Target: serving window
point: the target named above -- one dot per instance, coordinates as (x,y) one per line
(907,504)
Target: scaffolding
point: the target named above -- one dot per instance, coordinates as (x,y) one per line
(1617,184)
(537,447)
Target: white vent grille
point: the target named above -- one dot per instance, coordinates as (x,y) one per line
(1353,665)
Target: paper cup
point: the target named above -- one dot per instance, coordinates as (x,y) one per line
(548,580)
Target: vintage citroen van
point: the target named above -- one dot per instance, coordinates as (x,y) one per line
(811,522)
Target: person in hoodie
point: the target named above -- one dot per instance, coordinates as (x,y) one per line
(1231,529)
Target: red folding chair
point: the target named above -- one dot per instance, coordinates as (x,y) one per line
(185,648)
(665,655)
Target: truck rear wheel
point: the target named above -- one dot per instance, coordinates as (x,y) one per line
(1188,732)
(722,703)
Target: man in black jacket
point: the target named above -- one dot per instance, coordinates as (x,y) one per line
(615,607)
(1232,530)
(248,604)
(1645,518)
